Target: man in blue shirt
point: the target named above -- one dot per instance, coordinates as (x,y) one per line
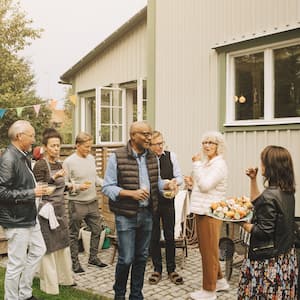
(132,183)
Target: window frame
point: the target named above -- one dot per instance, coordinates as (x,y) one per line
(98,115)
(269,100)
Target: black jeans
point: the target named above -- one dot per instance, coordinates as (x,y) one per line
(167,214)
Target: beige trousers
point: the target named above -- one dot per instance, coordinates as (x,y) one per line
(55,270)
(208,234)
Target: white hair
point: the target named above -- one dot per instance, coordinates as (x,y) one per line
(16,128)
(216,137)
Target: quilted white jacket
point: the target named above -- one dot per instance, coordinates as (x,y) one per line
(210,184)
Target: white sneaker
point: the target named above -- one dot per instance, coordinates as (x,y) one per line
(203,295)
(222,285)
(195,295)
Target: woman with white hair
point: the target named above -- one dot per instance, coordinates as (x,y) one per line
(208,183)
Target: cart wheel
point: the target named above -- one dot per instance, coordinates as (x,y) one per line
(228,268)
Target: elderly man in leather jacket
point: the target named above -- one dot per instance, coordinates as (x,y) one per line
(18,211)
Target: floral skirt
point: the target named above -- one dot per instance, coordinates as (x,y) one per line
(269,279)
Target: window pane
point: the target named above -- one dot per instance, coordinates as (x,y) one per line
(105,134)
(249,87)
(105,116)
(287,82)
(117,134)
(117,116)
(145,110)
(134,105)
(90,115)
(105,98)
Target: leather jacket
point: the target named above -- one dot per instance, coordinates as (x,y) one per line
(17,197)
(273,219)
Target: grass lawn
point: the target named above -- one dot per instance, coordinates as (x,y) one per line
(66,293)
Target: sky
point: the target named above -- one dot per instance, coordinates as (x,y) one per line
(71,30)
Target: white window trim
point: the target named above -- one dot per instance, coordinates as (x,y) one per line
(268,87)
(82,113)
(98,116)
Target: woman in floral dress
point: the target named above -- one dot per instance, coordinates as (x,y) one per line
(271,271)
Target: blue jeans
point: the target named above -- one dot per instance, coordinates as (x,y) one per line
(134,235)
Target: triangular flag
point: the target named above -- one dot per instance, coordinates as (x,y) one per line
(73,99)
(2,112)
(37,108)
(19,111)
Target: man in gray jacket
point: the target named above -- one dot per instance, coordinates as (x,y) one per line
(18,211)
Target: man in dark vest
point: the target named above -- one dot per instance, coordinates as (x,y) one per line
(132,183)
(169,169)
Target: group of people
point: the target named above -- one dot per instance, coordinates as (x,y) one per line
(32,210)
(136,177)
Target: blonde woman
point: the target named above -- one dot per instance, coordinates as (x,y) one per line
(209,184)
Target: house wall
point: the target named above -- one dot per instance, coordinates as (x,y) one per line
(123,61)
(187,77)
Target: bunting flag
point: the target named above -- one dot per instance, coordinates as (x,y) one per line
(19,111)
(37,108)
(52,103)
(2,112)
(73,99)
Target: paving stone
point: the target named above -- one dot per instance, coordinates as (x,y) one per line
(100,280)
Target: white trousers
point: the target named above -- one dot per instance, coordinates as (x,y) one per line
(56,268)
(26,247)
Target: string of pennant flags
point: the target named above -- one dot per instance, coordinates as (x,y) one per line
(36,107)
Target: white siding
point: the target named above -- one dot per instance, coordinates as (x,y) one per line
(123,61)
(186,83)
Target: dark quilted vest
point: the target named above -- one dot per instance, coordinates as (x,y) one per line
(128,179)
(166,172)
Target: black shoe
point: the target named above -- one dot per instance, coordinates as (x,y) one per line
(78,269)
(97,262)
(32,298)
(73,284)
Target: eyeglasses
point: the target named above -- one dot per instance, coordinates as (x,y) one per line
(209,143)
(145,134)
(161,144)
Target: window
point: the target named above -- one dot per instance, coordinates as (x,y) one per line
(263,85)
(110,115)
(142,110)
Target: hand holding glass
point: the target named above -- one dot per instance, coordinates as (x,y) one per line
(41,189)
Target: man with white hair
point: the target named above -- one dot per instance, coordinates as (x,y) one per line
(18,211)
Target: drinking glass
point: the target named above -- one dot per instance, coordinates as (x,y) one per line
(44,186)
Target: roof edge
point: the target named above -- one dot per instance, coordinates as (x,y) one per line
(137,18)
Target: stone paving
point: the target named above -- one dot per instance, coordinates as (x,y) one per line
(100,281)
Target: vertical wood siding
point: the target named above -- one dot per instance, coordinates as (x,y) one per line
(123,61)
(186,92)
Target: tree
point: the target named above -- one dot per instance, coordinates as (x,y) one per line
(66,130)
(16,77)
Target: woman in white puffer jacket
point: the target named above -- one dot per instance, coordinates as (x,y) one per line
(209,184)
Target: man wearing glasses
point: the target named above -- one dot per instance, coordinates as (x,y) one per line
(132,183)
(18,211)
(169,169)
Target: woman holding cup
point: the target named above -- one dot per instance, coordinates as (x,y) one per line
(56,266)
(208,184)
